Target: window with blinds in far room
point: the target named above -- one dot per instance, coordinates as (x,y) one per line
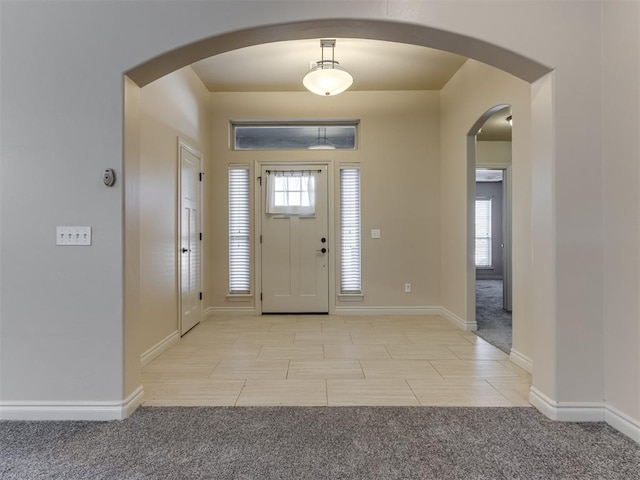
(239,231)
(483,233)
(350,275)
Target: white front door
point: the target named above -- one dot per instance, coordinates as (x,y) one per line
(295,242)
(189,239)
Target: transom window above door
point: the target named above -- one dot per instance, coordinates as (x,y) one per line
(296,135)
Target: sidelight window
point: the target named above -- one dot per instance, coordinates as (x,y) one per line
(239,230)
(350,275)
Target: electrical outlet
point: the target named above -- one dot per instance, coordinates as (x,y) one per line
(375,233)
(407,288)
(73,236)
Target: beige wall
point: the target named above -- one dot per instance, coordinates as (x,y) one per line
(493,153)
(133,329)
(398,151)
(176,105)
(467,96)
(65,343)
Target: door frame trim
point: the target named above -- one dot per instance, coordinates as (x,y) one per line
(257,199)
(183,144)
(507,229)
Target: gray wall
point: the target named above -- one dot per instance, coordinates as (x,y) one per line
(61,124)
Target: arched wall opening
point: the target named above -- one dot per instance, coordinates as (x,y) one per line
(496,56)
(143,74)
(477,160)
(471,189)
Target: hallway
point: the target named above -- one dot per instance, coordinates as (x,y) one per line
(333,361)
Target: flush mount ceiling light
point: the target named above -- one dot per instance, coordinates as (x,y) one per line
(327,77)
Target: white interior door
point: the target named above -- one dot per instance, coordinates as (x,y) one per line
(295,243)
(189,245)
(507,297)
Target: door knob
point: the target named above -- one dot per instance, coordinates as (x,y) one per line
(323,250)
(185,250)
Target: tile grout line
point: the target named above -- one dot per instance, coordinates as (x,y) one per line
(501,394)
(447,347)
(468,339)
(362,370)
(244,384)
(437,371)
(326,390)
(388,352)
(214,368)
(406,380)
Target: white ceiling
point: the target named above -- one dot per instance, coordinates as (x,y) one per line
(375,66)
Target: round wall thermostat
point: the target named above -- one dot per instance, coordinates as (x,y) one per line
(109,177)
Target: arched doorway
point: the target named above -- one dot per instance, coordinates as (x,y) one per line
(155,68)
(490,161)
(501,58)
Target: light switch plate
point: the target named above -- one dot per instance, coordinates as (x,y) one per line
(73,236)
(375,233)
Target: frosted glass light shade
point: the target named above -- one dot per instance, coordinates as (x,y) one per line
(327,78)
(322,144)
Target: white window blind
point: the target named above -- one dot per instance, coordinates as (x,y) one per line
(483,233)
(350,276)
(239,231)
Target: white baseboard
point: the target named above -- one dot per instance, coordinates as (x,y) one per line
(344,310)
(90,411)
(585,412)
(358,310)
(521,360)
(623,423)
(132,402)
(465,325)
(158,348)
(432,311)
(243,311)
(565,411)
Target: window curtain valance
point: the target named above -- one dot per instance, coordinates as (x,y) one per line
(291,192)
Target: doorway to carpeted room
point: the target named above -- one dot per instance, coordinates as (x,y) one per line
(494,322)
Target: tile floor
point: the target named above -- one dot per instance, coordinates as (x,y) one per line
(333,360)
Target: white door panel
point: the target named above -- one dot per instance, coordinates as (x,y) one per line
(295,273)
(189,248)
